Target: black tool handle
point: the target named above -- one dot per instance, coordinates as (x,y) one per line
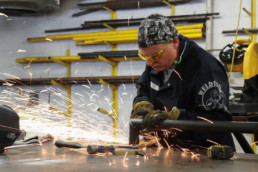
(60,143)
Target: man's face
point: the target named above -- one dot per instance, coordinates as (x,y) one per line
(163,55)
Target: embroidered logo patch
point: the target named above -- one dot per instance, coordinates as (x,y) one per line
(213,97)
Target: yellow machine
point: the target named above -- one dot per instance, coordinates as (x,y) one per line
(250,63)
(245,60)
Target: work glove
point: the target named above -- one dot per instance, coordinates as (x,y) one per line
(174,113)
(141,109)
(152,119)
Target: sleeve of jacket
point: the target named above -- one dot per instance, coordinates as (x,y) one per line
(208,99)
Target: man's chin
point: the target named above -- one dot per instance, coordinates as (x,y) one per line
(159,69)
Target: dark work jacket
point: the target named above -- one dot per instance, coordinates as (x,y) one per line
(199,85)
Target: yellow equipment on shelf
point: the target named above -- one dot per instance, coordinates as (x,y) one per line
(250,64)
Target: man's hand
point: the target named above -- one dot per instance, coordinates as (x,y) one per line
(153,118)
(141,109)
(174,113)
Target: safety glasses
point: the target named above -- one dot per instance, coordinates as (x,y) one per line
(153,57)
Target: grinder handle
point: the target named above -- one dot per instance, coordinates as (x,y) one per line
(60,143)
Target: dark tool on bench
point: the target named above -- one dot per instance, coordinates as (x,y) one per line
(220,152)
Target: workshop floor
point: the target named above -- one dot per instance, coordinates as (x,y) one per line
(50,158)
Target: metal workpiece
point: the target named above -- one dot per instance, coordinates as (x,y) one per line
(113,37)
(27,7)
(196,18)
(71,80)
(50,158)
(110,54)
(193,125)
(125,4)
(85,57)
(194,31)
(242,31)
(137,21)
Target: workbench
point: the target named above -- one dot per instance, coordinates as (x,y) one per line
(48,157)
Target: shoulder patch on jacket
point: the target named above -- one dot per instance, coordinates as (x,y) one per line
(212,96)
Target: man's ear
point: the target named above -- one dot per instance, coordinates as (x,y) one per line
(176,39)
(175,42)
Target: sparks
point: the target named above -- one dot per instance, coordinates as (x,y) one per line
(9,75)
(48,39)
(177,129)
(167,143)
(30,74)
(178,74)
(81,125)
(76,71)
(86,86)
(158,144)
(28,65)
(89,82)
(100,90)
(125,157)
(124,86)
(17,146)
(138,163)
(254,143)
(212,142)
(205,119)
(47,70)
(7,84)
(21,51)
(2,14)
(79,94)
(195,155)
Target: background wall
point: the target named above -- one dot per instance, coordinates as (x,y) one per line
(87,98)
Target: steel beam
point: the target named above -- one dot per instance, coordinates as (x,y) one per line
(251,30)
(189,125)
(125,4)
(70,80)
(201,18)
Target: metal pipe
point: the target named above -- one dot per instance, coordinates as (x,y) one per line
(253,19)
(95,35)
(115,5)
(129,39)
(209,25)
(252,30)
(134,22)
(216,126)
(112,55)
(189,125)
(71,80)
(83,13)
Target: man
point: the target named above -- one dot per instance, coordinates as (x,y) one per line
(181,81)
